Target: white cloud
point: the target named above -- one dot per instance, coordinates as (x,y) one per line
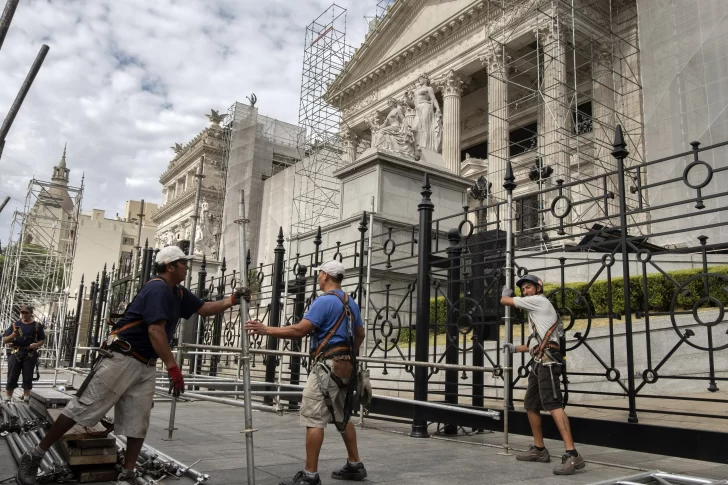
(124,81)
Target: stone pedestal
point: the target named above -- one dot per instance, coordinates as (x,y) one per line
(395,183)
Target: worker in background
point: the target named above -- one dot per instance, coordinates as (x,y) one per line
(25,337)
(334,321)
(124,376)
(544,391)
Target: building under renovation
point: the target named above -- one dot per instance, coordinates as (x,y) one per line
(541,83)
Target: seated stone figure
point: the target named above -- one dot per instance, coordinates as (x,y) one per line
(394,134)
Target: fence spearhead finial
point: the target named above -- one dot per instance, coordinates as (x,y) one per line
(619,145)
(509,181)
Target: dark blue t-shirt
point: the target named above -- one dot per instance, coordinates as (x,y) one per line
(156,301)
(325,312)
(26,333)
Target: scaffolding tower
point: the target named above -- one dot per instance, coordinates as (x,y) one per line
(316,197)
(570,69)
(38,259)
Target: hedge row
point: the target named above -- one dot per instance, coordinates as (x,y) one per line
(661,290)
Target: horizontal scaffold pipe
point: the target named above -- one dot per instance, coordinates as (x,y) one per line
(371,360)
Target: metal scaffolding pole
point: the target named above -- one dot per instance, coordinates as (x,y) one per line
(245,354)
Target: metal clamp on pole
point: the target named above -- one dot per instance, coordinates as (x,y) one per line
(244,317)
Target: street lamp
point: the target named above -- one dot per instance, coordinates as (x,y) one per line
(480,191)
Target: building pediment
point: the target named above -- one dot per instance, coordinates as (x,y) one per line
(409,27)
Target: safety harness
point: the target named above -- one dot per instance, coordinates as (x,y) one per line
(545,346)
(344,362)
(115,343)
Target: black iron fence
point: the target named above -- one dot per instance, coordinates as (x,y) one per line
(615,250)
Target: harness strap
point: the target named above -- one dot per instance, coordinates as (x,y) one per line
(546,341)
(335,328)
(137,322)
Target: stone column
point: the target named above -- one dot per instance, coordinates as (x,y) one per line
(603,121)
(556,113)
(496,62)
(349,142)
(452,89)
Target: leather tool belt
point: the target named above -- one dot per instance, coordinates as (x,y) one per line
(123,347)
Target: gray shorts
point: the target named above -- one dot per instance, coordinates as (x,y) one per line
(123,383)
(314,413)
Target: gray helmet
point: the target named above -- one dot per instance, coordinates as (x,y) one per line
(529,278)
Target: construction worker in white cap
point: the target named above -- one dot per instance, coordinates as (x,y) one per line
(334,322)
(124,375)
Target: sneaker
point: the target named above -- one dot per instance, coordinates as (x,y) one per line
(126,479)
(301,478)
(350,472)
(28,468)
(532,454)
(569,465)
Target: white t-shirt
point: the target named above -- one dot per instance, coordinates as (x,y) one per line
(541,312)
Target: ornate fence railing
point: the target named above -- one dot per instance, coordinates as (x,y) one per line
(637,269)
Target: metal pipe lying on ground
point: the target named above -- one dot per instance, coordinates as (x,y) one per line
(445,407)
(148,450)
(254,393)
(232,402)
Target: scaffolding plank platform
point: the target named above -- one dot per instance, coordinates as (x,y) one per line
(50,397)
(96,474)
(79,432)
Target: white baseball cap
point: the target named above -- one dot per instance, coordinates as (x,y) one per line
(333,268)
(170,254)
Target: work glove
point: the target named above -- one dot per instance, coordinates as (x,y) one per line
(176,381)
(506,291)
(241,293)
(509,348)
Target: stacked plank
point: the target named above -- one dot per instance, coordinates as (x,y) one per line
(90,453)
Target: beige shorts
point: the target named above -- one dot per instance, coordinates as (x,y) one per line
(314,413)
(123,383)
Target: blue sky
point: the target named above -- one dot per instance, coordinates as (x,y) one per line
(125,80)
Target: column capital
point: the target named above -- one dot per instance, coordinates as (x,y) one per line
(495,60)
(348,136)
(452,83)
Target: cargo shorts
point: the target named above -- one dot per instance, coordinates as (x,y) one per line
(314,412)
(123,383)
(540,391)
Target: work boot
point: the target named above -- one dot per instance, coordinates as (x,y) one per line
(350,472)
(569,464)
(532,454)
(301,478)
(126,478)
(28,468)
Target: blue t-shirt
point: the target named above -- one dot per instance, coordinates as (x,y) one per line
(325,312)
(156,301)
(26,333)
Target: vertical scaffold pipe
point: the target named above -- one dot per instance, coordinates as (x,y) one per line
(509,183)
(244,317)
(366,300)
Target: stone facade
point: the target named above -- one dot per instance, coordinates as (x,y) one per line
(174,217)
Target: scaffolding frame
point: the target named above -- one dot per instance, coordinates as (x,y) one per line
(316,192)
(39,258)
(576,79)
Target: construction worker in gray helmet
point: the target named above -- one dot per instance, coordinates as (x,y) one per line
(544,391)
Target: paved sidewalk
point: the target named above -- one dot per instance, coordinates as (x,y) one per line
(210,433)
